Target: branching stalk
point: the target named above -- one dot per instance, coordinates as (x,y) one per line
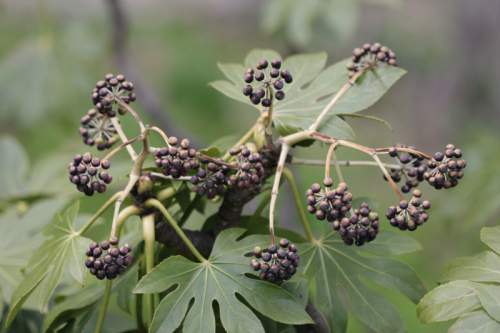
(165,194)
(334,100)
(375,157)
(160,175)
(274,193)
(123,137)
(101,210)
(136,116)
(125,144)
(263,204)
(157,204)
(289,176)
(305,161)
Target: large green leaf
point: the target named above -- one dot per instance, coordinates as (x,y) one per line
(18,242)
(46,179)
(450,301)
(480,267)
(48,263)
(491,236)
(475,322)
(490,299)
(311,91)
(84,303)
(330,263)
(220,279)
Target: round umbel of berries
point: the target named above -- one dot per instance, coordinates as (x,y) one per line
(249,170)
(370,56)
(331,204)
(97,129)
(409,215)
(267,83)
(444,169)
(107,93)
(176,161)
(105,261)
(277,264)
(362,227)
(412,167)
(88,174)
(210,179)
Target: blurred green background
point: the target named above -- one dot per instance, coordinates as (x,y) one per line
(53,52)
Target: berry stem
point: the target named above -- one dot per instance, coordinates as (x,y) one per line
(416,152)
(260,208)
(274,194)
(136,116)
(125,144)
(155,203)
(328,162)
(337,167)
(148,227)
(101,210)
(296,160)
(334,100)
(104,306)
(160,175)
(156,129)
(291,180)
(375,157)
(227,157)
(232,166)
(123,137)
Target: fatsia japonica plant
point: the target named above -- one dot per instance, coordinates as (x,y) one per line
(230,274)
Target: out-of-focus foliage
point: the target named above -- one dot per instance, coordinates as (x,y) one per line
(303,21)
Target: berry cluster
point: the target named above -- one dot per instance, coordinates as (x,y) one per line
(84,173)
(360,228)
(106,93)
(277,265)
(370,56)
(176,162)
(332,204)
(445,171)
(412,167)
(264,94)
(210,180)
(249,168)
(108,265)
(409,215)
(248,172)
(97,129)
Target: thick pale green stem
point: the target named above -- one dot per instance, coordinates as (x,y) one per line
(122,217)
(104,306)
(148,225)
(108,203)
(289,176)
(165,194)
(157,204)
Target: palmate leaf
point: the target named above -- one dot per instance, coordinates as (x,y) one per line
(48,262)
(219,280)
(450,301)
(311,90)
(45,180)
(480,267)
(330,263)
(18,242)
